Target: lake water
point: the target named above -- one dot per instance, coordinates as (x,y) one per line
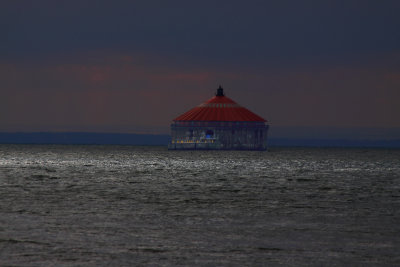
(126,205)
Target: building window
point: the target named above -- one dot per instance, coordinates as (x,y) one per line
(209,134)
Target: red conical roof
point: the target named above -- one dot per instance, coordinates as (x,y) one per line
(219,108)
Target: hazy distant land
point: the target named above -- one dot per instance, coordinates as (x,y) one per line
(278,136)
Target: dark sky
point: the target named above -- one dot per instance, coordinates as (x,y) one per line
(132,66)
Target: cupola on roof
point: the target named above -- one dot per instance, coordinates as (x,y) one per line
(220,108)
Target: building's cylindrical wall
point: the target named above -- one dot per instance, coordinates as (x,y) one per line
(222,135)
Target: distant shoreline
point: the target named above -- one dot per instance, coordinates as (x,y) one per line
(87,138)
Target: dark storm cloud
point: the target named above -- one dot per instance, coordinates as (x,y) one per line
(208,32)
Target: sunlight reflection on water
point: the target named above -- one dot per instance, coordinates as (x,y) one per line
(110,205)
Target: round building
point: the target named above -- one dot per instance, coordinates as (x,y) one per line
(219,124)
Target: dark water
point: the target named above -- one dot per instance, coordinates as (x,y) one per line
(123,206)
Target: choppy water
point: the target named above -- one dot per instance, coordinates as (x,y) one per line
(123,206)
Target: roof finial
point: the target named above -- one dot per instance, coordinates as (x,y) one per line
(220,91)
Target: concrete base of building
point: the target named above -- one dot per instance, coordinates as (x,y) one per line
(211,146)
